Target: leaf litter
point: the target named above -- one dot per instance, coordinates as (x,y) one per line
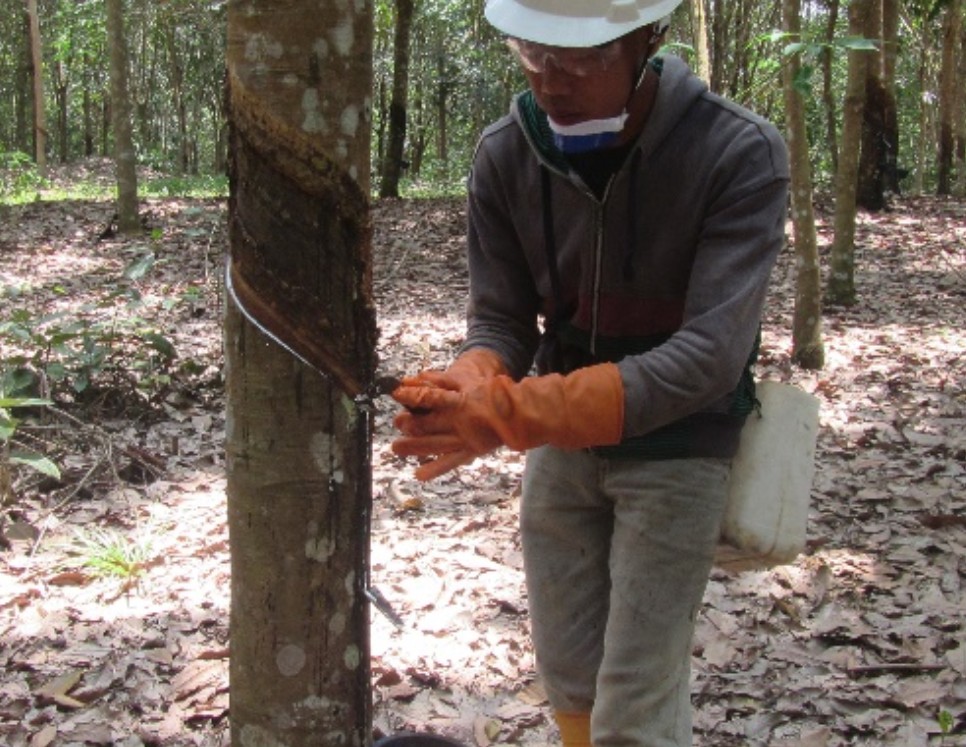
(861,641)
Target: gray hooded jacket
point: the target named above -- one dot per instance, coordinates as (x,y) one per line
(665,273)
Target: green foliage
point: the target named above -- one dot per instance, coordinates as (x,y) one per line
(177,61)
(461,79)
(19,178)
(946,723)
(14,393)
(193,186)
(811,51)
(109,554)
(432,188)
(105,341)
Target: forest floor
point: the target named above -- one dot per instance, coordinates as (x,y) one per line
(114,590)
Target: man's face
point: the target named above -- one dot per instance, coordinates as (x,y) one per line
(578,84)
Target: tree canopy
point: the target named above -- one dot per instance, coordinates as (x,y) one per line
(461,77)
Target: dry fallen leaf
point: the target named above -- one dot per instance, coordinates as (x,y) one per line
(859,642)
(56,690)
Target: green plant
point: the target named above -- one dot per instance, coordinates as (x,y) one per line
(811,50)
(19,178)
(105,340)
(12,385)
(107,553)
(196,186)
(946,723)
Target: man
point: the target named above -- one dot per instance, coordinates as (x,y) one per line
(639,217)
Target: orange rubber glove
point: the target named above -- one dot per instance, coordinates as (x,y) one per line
(584,408)
(468,370)
(471,368)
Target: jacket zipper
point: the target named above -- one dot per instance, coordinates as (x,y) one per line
(598,263)
(598,272)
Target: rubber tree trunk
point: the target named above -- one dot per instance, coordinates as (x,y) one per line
(828,98)
(878,163)
(699,35)
(392,166)
(808,349)
(841,283)
(298,442)
(125,158)
(37,79)
(948,99)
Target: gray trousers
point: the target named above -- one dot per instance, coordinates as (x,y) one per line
(617,555)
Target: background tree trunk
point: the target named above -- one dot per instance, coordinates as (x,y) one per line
(442,106)
(125,158)
(925,111)
(699,33)
(828,99)
(720,23)
(960,190)
(22,138)
(948,97)
(890,52)
(176,75)
(298,444)
(37,77)
(841,283)
(808,349)
(392,166)
(62,99)
(880,138)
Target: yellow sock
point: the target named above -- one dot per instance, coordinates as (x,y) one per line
(574,728)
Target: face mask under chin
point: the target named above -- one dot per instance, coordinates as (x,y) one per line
(583,137)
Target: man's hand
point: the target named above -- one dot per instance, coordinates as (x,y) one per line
(585,408)
(471,368)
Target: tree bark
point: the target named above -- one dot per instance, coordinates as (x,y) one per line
(925,109)
(719,29)
(62,97)
(960,189)
(125,158)
(699,33)
(22,129)
(443,87)
(878,165)
(176,71)
(37,78)
(808,349)
(841,283)
(952,22)
(876,142)
(828,99)
(392,166)
(298,443)
(890,114)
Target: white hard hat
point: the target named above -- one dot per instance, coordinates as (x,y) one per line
(574,23)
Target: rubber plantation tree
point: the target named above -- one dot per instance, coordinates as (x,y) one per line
(125,158)
(949,101)
(841,282)
(828,96)
(808,350)
(878,166)
(37,79)
(392,166)
(298,442)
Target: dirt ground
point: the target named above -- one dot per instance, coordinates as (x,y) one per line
(861,641)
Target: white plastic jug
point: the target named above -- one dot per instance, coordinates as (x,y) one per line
(771,478)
